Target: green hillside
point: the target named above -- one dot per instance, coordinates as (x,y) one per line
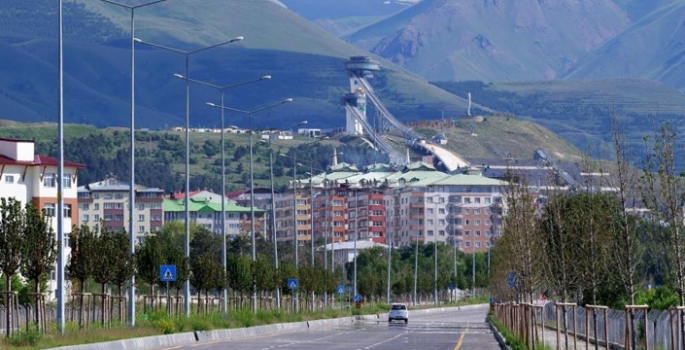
(306,64)
(580,111)
(160,156)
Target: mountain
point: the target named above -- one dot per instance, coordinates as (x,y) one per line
(306,64)
(493,40)
(652,48)
(340,17)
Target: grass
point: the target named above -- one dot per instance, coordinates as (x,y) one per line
(158,323)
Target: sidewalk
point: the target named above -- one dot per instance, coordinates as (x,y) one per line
(550,338)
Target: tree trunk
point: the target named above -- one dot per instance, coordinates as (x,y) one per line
(38,305)
(8,305)
(104,304)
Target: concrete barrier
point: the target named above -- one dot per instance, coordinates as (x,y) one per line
(153,342)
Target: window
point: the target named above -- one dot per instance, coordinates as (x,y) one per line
(66,180)
(49,180)
(49,209)
(9,179)
(141,217)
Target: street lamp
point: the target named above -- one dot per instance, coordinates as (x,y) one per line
(131,191)
(60,171)
(187,55)
(222,89)
(252,204)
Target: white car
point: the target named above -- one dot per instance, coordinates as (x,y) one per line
(398,311)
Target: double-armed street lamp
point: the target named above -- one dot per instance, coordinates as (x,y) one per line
(131,193)
(187,55)
(249,113)
(222,90)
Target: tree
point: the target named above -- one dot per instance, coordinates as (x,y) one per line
(663,190)
(12,245)
(103,267)
(82,260)
(41,251)
(124,265)
(520,245)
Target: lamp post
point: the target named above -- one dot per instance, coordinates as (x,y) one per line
(252,204)
(222,89)
(356,238)
(388,237)
(187,55)
(131,192)
(60,173)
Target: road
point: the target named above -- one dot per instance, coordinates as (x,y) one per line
(463,329)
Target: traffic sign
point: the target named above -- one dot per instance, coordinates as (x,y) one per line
(511,279)
(341,289)
(167,273)
(450,286)
(293,283)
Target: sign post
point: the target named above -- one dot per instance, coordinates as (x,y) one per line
(167,273)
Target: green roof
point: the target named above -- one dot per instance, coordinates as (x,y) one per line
(202,206)
(465,180)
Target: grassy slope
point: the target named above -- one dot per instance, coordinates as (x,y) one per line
(306,63)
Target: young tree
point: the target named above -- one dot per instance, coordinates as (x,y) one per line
(663,190)
(82,260)
(124,265)
(40,254)
(104,266)
(520,243)
(12,245)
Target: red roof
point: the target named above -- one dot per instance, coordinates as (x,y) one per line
(39,160)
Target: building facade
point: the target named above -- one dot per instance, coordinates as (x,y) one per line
(26,176)
(106,204)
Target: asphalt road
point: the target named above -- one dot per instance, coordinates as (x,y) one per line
(454,330)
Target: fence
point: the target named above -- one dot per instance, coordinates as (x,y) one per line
(634,328)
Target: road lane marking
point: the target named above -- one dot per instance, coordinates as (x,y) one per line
(461,338)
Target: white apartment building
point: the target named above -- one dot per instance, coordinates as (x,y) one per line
(27,176)
(107,202)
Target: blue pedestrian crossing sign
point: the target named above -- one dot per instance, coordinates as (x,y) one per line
(293,283)
(167,273)
(341,289)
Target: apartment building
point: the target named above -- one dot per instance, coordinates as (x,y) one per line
(205,207)
(106,203)
(27,176)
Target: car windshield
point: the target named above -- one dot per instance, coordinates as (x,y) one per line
(399,307)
